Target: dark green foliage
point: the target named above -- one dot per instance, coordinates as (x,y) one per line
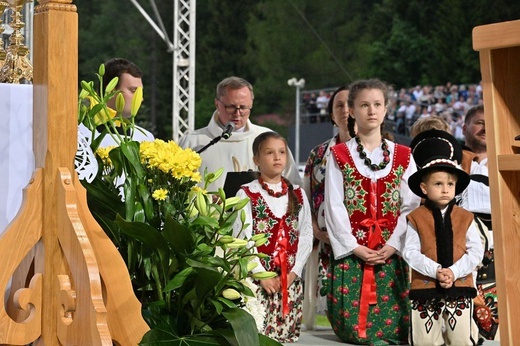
(405,42)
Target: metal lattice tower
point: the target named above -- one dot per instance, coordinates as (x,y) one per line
(183,50)
(183,117)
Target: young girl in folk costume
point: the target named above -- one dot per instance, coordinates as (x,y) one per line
(366,202)
(281,210)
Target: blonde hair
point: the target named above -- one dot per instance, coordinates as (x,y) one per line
(429,123)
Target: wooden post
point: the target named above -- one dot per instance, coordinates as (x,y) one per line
(499,48)
(69,284)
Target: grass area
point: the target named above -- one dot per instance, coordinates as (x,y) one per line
(322,321)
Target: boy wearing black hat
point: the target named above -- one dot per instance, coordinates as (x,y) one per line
(442,246)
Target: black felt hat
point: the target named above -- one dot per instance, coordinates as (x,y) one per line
(435,149)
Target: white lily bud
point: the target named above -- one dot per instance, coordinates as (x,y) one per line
(231,294)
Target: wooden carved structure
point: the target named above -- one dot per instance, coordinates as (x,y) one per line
(499,48)
(66,282)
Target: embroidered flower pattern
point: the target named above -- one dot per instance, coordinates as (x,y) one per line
(292,224)
(354,192)
(266,222)
(360,234)
(392,197)
(260,207)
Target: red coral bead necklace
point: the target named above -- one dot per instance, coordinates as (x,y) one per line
(270,191)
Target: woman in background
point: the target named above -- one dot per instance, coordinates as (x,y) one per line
(314,186)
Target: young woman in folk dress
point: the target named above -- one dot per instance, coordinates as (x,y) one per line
(366,202)
(314,186)
(281,210)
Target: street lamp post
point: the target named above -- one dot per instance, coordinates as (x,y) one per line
(298,84)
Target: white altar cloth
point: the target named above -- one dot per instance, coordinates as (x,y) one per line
(16,147)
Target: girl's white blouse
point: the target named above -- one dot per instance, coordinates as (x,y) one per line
(336,216)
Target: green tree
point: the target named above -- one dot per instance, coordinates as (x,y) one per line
(405,42)
(116,29)
(413,53)
(221,45)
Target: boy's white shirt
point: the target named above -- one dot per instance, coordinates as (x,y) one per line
(426,266)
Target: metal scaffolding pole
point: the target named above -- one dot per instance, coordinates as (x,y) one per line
(183,56)
(183,117)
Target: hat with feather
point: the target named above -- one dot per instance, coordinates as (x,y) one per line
(433,150)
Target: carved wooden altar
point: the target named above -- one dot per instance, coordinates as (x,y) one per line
(65,280)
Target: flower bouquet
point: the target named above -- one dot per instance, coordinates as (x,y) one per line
(191,275)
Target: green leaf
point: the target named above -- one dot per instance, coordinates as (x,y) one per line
(227,226)
(102,198)
(228,336)
(244,326)
(217,262)
(129,188)
(116,158)
(147,201)
(158,337)
(109,226)
(206,280)
(178,280)
(143,232)
(206,221)
(131,152)
(198,264)
(189,296)
(217,305)
(247,291)
(243,267)
(179,237)
(227,302)
(204,249)
(139,213)
(267,341)
(95,110)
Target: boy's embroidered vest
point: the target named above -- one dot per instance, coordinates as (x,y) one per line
(372,206)
(284,233)
(424,287)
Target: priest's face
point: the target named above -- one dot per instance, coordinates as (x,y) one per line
(235,105)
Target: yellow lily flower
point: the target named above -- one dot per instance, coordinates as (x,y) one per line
(137,99)
(104,115)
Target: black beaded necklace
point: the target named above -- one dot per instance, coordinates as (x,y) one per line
(270,191)
(367,161)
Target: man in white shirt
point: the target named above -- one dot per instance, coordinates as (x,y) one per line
(233,103)
(477,199)
(130,78)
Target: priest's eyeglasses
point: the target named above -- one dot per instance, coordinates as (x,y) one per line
(231,109)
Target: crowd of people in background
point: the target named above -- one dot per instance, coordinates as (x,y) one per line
(406,105)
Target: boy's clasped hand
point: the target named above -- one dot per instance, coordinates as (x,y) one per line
(445,277)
